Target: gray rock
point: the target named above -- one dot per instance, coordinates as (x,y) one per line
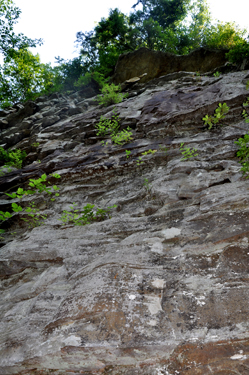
(50,120)
(161,286)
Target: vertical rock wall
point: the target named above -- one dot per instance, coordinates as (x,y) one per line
(161,287)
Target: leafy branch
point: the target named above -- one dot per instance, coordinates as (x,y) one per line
(187,152)
(219,115)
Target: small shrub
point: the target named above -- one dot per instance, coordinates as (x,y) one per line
(149,152)
(110,95)
(111,126)
(88,77)
(128,153)
(219,114)
(139,161)
(243,153)
(107,126)
(86,215)
(122,137)
(244,113)
(39,186)
(13,158)
(35,144)
(216,74)
(187,152)
(147,185)
(239,52)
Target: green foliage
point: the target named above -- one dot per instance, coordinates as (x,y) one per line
(9,41)
(122,137)
(147,185)
(39,186)
(12,158)
(88,77)
(239,52)
(176,26)
(187,152)
(107,126)
(128,153)
(110,95)
(111,126)
(67,74)
(35,217)
(223,35)
(21,75)
(219,114)
(244,113)
(139,161)
(149,152)
(243,153)
(216,74)
(153,27)
(35,144)
(5,169)
(243,144)
(86,215)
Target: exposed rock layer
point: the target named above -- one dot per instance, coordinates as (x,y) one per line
(153,64)
(162,286)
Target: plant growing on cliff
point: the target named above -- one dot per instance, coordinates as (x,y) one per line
(239,52)
(243,143)
(187,152)
(12,158)
(111,126)
(111,95)
(149,152)
(216,74)
(244,113)
(219,114)
(243,153)
(39,186)
(128,153)
(85,215)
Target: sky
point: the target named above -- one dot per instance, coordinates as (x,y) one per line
(58,21)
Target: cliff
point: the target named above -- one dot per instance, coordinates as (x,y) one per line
(161,286)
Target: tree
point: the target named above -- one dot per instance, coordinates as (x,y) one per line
(10,41)
(101,47)
(167,13)
(23,77)
(151,27)
(201,31)
(21,73)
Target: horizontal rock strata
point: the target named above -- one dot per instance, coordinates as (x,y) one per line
(160,287)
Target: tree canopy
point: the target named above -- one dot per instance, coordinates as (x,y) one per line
(175,26)
(10,41)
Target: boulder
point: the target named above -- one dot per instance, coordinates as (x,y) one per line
(157,63)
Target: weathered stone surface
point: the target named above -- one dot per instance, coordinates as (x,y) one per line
(152,64)
(161,287)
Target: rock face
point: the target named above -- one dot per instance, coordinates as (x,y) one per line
(161,287)
(156,63)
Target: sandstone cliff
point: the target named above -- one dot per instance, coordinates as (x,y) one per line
(161,287)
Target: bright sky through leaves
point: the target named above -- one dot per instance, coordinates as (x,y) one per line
(58,21)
